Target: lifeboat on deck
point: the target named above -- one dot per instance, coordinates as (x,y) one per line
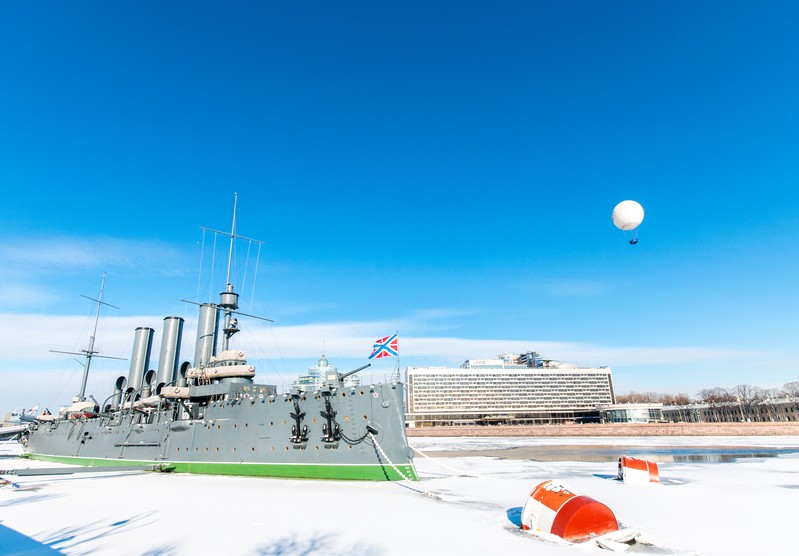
(230,363)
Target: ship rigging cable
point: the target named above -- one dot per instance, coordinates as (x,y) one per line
(400,473)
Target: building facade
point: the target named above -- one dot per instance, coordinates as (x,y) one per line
(776,410)
(631,413)
(511,389)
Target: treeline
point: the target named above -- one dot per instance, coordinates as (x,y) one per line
(743,393)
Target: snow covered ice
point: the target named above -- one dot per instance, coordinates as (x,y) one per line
(745,507)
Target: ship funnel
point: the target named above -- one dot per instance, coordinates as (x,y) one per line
(184,370)
(148,384)
(119,389)
(206,334)
(142,344)
(170,351)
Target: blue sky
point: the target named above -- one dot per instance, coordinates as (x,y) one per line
(447,170)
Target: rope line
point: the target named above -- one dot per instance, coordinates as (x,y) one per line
(400,473)
(458,471)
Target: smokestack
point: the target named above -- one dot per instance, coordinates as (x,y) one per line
(142,344)
(148,384)
(170,351)
(206,334)
(119,389)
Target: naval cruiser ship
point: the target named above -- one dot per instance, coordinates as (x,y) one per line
(212,417)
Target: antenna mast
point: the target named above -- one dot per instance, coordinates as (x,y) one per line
(229,299)
(232,238)
(89,352)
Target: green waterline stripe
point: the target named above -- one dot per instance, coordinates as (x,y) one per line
(369,472)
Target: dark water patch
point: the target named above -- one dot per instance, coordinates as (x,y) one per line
(663,481)
(660,454)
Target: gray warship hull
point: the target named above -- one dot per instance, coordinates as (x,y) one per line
(249,433)
(211,417)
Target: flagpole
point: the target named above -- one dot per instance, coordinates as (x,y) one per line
(399,367)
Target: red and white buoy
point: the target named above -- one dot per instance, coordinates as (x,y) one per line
(634,471)
(557,509)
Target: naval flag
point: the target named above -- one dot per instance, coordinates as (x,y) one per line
(386,347)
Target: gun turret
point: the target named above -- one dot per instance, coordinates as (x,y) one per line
(335,379)
(345,375)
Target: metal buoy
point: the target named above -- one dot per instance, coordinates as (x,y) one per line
(634,471)
(558,509)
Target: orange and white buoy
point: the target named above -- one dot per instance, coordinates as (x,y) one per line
(557,509)
(636,471)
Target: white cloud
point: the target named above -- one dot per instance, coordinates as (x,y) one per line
(63,253)
(27,337)
(23,295)
(25,359)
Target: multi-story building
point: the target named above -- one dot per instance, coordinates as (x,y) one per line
(510,389)
(772,410)
(318,374)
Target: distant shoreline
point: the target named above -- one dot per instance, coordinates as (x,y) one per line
(616,429)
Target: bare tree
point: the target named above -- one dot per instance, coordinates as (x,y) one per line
(715,395)
(791,389)
(747,396)
(719,401)
(624,398)
(666,399)
(769,404)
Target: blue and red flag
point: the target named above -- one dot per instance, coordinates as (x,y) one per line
(386,347)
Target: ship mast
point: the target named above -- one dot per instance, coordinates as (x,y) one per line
(229,299)
(89,352)
(232,238)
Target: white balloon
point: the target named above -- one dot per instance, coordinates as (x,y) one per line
(628,215)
